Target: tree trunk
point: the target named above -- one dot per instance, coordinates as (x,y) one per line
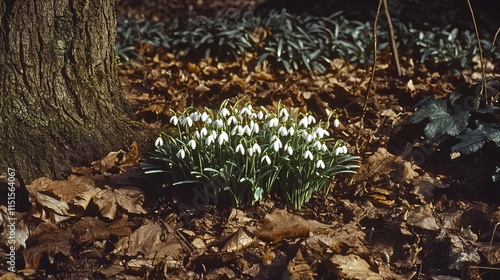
(61,104)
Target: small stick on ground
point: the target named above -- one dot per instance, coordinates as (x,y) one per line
(393,40)
(483,66)
(370,82)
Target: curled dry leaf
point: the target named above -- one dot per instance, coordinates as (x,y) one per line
(352,267)
(47,240)
(120,160)
(152,242)
(108,201)
(66,190)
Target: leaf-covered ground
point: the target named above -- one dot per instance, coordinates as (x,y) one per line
(400,217)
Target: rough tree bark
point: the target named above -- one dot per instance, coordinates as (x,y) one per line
(61,104)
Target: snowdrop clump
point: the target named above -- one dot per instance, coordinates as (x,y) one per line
(246,154)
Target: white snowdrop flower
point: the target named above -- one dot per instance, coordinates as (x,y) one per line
(256,128)
(241,130)
(246,111)
(224,112)
(250,151)
(324,148)
(219,123)
(223,137)
(159,142)
(234,130)
(277,145)
(232,120)
(311,119)
(210,139)
(174,120)
(253,116)
(317,145)
(249,107)
(320,164)
(336,123)
(197,134)
(247,130)
(195,116)
(208,121)
(284,114)
(282,131)
(338,151)
(304,122)
(187,121)
(192,144)
(267,159)
(273,137)
(181,153)
(260,115)
(273,122)
(288,149)
(308,155)
(204,116)
(204,132)
(240,149)
(344,149)
(308,138)
(256,148)
(214,134)
(291,131)
(321,132)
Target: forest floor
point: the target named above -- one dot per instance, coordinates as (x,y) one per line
(399,217)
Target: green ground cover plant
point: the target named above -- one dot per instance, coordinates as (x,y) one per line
(293,42)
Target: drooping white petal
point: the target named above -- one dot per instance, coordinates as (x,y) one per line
(187,121)
(195,116)
(219,123)
(224,112)
(273,122)
(260,115)
(223,137)
(232,120)
(303,122)
(267,159)
(344,149)
(240,149)
(192,144)
(174,120)
(204,116)
(311,119)
(308,155)
(210,139)
(159,142)
(282,131)
(204,132)
(256,148)
(336,123)
(320,164)
(181,153)
(284,114)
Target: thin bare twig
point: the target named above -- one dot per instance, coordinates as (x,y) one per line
(393,40)
(483,66)
(370,82)
(495,38)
